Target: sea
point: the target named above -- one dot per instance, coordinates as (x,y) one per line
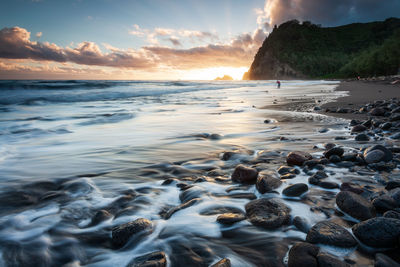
(129,149)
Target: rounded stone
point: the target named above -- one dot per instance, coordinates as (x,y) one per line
(380,232)
(374,156)
(355,205)
(330,233)
(334,151)
(244,175)
(230,218)
(295,190)
(268,213)
(122,233)
(267,183)
(388,154)
(297,158)
(361,137)
(303,255)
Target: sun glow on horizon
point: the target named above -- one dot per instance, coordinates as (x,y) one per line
(211,73)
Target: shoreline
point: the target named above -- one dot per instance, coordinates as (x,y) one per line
(361,93)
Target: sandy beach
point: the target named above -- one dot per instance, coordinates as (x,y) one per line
(361,93)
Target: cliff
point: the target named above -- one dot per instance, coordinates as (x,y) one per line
(305,50)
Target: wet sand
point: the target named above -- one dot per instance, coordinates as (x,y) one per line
(361,93)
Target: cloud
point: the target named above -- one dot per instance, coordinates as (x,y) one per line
(39,34)
(191,35)
(326,12)
(15,43)
(175,41)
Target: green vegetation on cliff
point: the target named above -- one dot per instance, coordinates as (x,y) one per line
(295,50)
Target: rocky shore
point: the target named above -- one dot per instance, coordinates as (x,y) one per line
(349,186)
(365,217)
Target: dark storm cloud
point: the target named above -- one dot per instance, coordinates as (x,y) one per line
(328,12)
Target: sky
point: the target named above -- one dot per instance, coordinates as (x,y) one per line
(155,39)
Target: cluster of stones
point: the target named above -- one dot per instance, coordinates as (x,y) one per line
(378,215)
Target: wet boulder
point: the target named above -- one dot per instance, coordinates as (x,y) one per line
(361,137)
(330,233)
(230,218)
(355,205)
(384,203)
(358,128)
(374,156)
(122,233)
(303,254)
(295,190)
(338,151)
(244,175)
(388,156)
(267,183)
(154,259)
(377,111)
(380,232)
(268,213)
(297,158)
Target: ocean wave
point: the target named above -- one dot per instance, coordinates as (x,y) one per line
(43,92)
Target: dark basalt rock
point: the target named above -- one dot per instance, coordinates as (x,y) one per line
(222,263)
(230,218)
(377,112)
(298,158)
(326,260)
(381,260)
(244,175)
(384,203)
(374,156)
(154,259)
(295,190)
(388,154)
(303,255)
(267,183)
(287,176)
(355,205)
(358,128)
(267,213)
(328,185)
(122,233)
(361,137)
(380,232)
(330,233)
(338,151)
(285,170)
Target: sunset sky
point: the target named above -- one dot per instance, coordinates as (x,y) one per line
(154,39)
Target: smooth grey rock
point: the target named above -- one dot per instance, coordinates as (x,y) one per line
(268,213)
(303,255)
(295,190)
(244,175)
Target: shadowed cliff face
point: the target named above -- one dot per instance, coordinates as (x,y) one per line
(304,50)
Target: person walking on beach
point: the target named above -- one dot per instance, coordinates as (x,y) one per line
(278,84)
